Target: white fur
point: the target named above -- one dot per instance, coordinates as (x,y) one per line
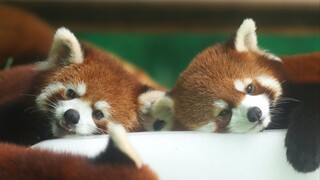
(209,127)
(52,88)
(272,83)
(270,56)
(246,40)
(220,104)
(119,136)
(239,85)
(86,125)
(239,122)
(79,88)
(63,39)
(46,93)
(162,109)
(104,107)
(146,99)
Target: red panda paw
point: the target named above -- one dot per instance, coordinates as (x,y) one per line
(302,140)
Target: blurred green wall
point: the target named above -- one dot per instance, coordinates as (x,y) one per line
(165,55)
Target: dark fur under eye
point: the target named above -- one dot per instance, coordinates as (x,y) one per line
(250,89)
(225,113)
(71,94)
(98,114)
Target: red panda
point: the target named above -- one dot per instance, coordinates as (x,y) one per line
(78,89)
(236,87)
(24,37)
(117,161)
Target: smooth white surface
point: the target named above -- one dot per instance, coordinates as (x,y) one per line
(195,155)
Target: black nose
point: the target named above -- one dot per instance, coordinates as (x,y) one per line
(71,116)
(254,114)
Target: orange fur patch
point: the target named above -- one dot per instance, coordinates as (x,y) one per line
(16,83)
(24,163)
(302,68)
(24,37)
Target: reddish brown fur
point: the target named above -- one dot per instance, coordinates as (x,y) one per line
(302,68)
(23,36)
(106,80)
(16,82)
(25,163)
(202,83)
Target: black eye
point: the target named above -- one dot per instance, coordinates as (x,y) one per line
(71,94)
(250,89)
(225,113)
(98,114)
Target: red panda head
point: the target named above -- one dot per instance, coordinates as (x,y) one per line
(84,88)
(229,87)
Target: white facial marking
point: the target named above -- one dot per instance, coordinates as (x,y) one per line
(104,107)
(146,99)
(239,85)
(120,138)
(49,90)
(272,83)
(86,125)
(220,104)
(239,122)
(210,127)
(79,88)
(46,93)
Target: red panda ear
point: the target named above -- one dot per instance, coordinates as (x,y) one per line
(246,40)
(65,50)
(118,151)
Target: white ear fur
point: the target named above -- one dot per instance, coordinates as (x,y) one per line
(119,136)
(246,38)
(65,50)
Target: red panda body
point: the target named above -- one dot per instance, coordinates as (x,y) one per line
(24,37)
(302,68)
(236,87)
(113,163)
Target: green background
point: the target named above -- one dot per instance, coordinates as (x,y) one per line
(165,55)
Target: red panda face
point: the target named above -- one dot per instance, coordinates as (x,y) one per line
(229,87)
(84,90)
